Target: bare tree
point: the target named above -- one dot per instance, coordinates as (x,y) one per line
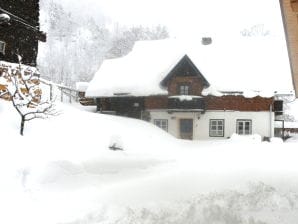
(23,89)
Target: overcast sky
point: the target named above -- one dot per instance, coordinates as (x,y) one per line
(187,18)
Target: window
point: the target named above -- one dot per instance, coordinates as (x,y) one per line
(2,47)
(244,127)
(184,89)
(162,123)
(216,128)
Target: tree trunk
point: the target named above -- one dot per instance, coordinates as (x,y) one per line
(22,125)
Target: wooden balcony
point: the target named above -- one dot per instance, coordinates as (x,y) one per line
(186,103)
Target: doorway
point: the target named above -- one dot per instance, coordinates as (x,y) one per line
(186,128)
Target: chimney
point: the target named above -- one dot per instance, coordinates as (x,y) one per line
(206,40)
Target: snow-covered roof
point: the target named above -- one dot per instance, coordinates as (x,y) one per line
(82,86)
(254,66)
(139,73)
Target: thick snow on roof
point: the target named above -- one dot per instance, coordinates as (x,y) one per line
(139,73)
(82,86)
(256,65)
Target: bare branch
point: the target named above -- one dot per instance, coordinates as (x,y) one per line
(25,93)
(4,93)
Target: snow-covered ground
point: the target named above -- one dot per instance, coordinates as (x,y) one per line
(63,172)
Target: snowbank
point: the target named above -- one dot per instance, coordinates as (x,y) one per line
(63,171)
(246,138)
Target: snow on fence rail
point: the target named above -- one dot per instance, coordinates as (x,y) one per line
(49,89)
(58,91)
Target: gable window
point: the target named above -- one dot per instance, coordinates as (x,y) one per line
(162,123)
(184,89)
(216,128)
(2,47)
(244,127)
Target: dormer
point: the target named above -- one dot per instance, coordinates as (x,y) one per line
(185,79)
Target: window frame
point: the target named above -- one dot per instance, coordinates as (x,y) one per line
(163,126)
(211,134)
(238,121)
(183,92)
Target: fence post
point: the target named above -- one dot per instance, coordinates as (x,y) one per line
(51,92)
(61,94)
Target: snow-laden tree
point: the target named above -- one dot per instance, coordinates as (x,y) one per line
(77,44)
(21,85)
(123,38)
(75,48)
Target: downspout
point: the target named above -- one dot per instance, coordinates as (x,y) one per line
(271,125)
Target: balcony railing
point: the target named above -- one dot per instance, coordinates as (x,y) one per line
(186,102)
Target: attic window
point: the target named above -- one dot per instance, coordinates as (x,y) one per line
(184,89)
(2,47)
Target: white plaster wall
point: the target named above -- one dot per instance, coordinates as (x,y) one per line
(262,122)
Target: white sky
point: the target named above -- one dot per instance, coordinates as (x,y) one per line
(188,18)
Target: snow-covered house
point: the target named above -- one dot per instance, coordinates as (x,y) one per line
(196,92)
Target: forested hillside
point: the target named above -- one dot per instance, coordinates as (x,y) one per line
(78,43)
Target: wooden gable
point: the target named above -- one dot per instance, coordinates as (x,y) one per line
(185,73)
(184,68)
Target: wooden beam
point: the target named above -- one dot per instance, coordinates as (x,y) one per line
(291,31)
(294,5)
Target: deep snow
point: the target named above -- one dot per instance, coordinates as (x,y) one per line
(62,171)
(141,71)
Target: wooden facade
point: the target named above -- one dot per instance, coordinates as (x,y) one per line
(239,103)
(180,107)
(21,34)
(184,74)
(124,106)
(289,9)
